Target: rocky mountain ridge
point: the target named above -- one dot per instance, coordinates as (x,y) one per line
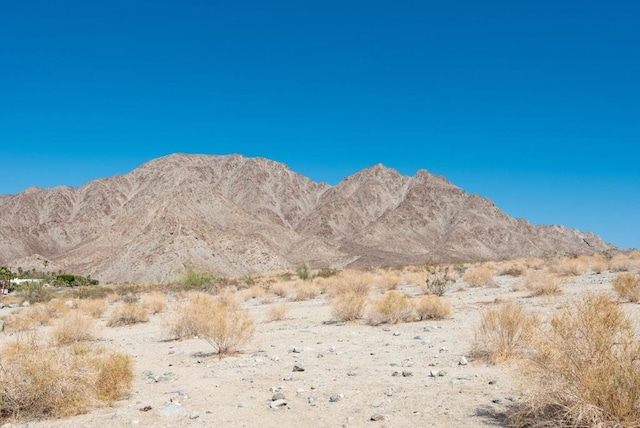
(235,215)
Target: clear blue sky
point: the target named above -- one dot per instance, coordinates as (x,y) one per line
(534,104)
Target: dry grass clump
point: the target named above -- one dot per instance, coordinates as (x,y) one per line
(391,308)
(348,306)
(571,266)
(280,289)
(586,370)
(114,377)
(93,307)
(255,292)
(513,268)
(75,327)
(303,290)
(502,332)
(386,281)
(40,381)
(431,307)
(220,321)
(352,281)
(598,263)
(627,285)
(621,263)
(277,312)
(128,314)
(154,302)
(479,276)
(543,283)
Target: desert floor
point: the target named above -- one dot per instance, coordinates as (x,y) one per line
(383,371)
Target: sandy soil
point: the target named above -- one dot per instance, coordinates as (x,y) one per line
(382,370)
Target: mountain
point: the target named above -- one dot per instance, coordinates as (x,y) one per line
(236,215)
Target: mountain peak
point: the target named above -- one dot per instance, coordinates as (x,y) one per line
(234,215)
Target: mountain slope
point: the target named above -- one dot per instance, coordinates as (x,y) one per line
(235,215)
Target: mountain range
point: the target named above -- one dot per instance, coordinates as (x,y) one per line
(236,215)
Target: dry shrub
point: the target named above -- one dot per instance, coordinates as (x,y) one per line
(221,322)
(280,289)
(392,308)
(352,281)
(542,283)
(128,314)
(303,290)
(191,314)
(93,307)
(586,370)
(627,286)
(432,307)
(114,378)
(386,281)
(479,276)
(255,292)
(621,263)
(154,302)
(437,282)
(570,266)
(75,327)
(415,278)
(277,312)
(502,332)
(40,381)
(513,268)
(598,263)
(348,306)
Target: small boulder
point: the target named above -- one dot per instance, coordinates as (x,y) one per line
(277,404)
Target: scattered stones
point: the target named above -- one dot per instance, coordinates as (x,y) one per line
(443,349)
(145,408)
(298,368)
(463,361)
(497,400)
(295,350)
(179,391)
(278,396)
(14,306)
(396,334)
(288,378)
(335,398)
(240,405)
(493,382)
(1,325)
(442,373)
(419,337)
(277,404)
(377,403)
(434,373)
(312,399)
(376,417)
(194,415)
(172,409)
(406,373)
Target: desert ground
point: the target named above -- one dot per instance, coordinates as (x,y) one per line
(304,366)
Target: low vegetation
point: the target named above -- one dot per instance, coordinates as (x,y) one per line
(585,369)
(627,285)
(128,314)
(479,276)
(391,308)
(221,322)
(39,380)
(503,332)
